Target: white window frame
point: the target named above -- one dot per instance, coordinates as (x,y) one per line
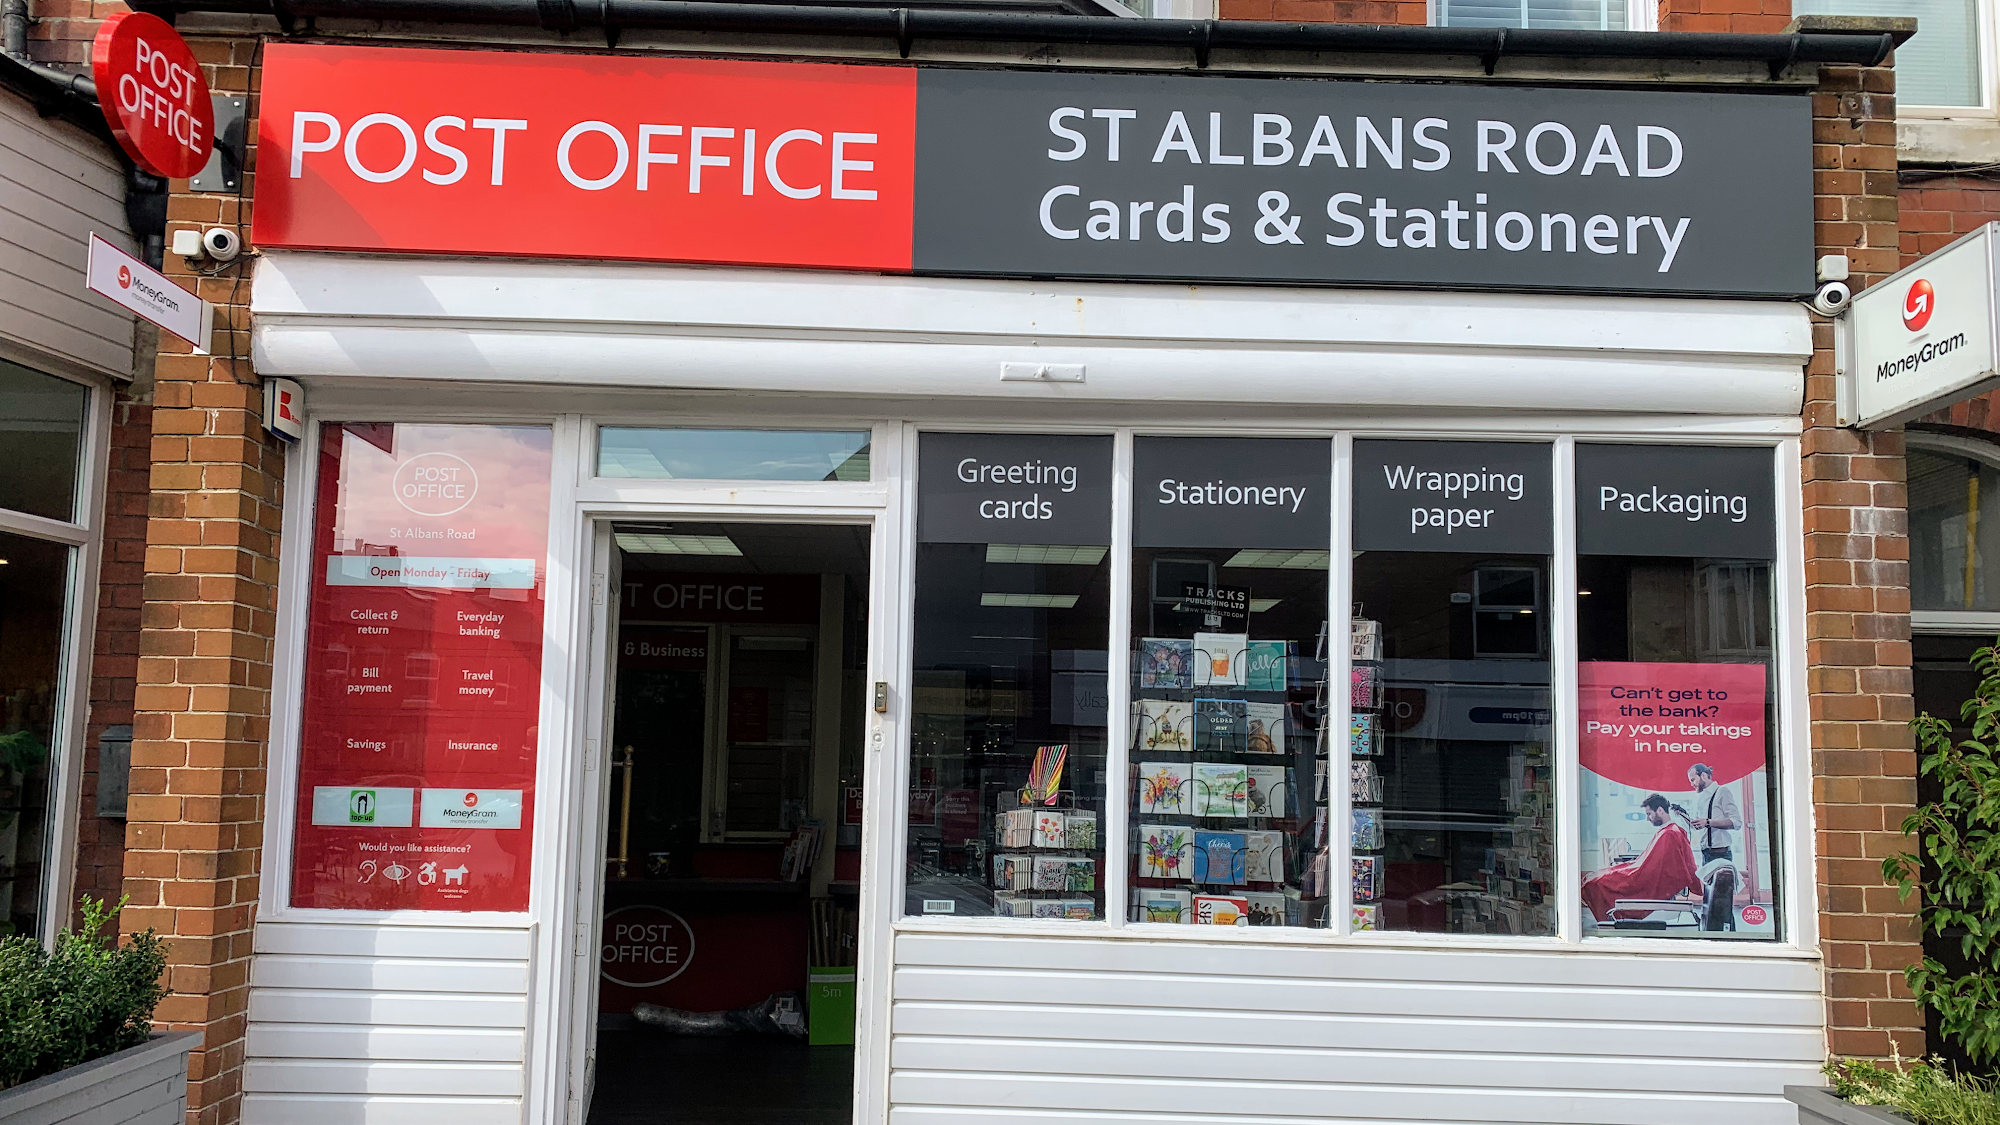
(1959,622)
(1640,15)
(1791,845)
(84,534)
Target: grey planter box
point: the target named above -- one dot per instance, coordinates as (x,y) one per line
(143,1085)
(1817,1106)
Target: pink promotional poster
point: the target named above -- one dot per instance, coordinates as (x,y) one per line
(1677,822)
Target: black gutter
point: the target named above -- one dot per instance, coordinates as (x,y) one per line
(56,93)
(904,25)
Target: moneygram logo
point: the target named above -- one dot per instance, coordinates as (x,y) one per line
(124,277)
(1918,305)
(472,800)
(435,484)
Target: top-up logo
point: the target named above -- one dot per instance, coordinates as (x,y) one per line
(1918,305)
(435,484)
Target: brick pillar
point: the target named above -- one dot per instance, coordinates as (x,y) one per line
(1864,761)
(195,826)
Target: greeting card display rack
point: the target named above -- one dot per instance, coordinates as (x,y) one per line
(1368,867)
(1224,731)
(1044,862)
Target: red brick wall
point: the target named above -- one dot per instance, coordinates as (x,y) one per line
(1857,603)
(1758,16)
(100,843)
(61,33)
(1936,211)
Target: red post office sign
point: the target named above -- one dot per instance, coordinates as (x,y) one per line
(153,94)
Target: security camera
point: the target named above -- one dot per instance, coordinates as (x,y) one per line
(1832,298)
(223,245)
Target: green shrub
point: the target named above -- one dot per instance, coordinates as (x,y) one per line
(1928,1093)
(89,998)
(1958,867)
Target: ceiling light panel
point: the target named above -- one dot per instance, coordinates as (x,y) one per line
(1028,601)
(659,543)
(1281,559)
(1044,554)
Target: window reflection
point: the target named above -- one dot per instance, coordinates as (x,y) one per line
(1008,736)
(691,454)
(1452,777)
(41,439)
(1954,531)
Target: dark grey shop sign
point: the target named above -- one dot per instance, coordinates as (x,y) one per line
(1459,496)
(1378,183)
(1231,492)
(1685,501)
(1014,488)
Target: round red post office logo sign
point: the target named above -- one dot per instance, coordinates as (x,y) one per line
(1918,305)
(153,94)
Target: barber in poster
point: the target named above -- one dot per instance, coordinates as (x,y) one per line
(1715,814)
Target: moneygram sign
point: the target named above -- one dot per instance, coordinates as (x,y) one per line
(1923,338)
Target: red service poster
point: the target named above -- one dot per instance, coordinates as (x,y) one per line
(423,668)
(1676,810)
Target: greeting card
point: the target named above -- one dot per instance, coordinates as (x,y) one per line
(1221,726)
(1364,783)
(1366,832)
(1362,735)
(1166,851)
(1269,666)
(1174,907)
(1367,687)
(1050,828)
(1007,904)
(1221,659)
(1264,728)
(1078,909)
(1081,875)
(1218,857)
(1367,877)
(1162,724)
(1165,662)
(1080,831)
(1221,910)
(1266,908)
(1364,917)
(1051,873)
(1264,857)
(1051,908)
(1164,789)
(1013,872)
(1221,789)
(1270,791)
(1017,828)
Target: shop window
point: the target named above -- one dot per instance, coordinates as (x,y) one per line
(1940,65)
(1566,15)
(41,442)
(1227,759)
(1954,500)
(34,578)
(1451,780)
(1008,711)
(691,454)
(421,720)
(1676,687)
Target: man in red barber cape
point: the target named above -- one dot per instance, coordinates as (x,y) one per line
(1663,871)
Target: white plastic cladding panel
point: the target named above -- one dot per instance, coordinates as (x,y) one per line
(780,330)
(1016,1029)
(58,184)
(386,1025)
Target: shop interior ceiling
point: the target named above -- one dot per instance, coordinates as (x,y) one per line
(765,548)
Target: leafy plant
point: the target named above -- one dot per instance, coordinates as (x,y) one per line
(1957,863)
(22,752)
(1928,1093)
(89,998)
